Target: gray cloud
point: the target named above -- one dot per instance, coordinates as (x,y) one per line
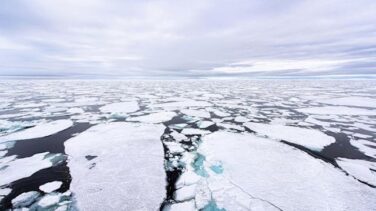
(187,38)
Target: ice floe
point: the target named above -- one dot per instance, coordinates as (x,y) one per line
(38,131)
(196,113)
(50,186)
(121,108)
(272,171)
(363,170)
(16,169)
(350,101)
(154,117)
(129,159)
(309,138)
(337,110)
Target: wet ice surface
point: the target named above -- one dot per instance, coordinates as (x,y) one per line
(188,145)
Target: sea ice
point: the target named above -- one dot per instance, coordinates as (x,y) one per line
(38,131)
(50,186)
(25,199)
(309,138)
(121,108)
(337,110)
(350,101)
(360,169)
(196,113)
(128,172)
(279,174)
(154,117)
(25,167)
(194,131)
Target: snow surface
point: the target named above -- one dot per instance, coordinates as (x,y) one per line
(38,131)
(154,117)
(196,113)
(128,173)
(309,138)
(121,108)
(282,175)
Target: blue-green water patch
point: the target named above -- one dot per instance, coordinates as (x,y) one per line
(217,168)
(198,165)
(212,206)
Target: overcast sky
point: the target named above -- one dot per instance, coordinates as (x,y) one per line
(187,38)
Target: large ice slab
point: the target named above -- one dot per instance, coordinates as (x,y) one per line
(279,174)
(121,108)
(154,117)
(309,138)
(128,172)
(38,131)
(360,169)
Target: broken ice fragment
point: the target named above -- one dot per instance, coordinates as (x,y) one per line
(25,199)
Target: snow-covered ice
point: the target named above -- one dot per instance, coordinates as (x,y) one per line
(274,172)
(337,110)
(360,169)
(121,108)
(128,172)
(38,131)
(309,138)
(154,117)
(24,167)
(50,186)
(25,199)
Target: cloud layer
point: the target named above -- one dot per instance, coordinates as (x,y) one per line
(187,38)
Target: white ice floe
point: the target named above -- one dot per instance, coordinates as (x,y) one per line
(230,126)
(241,119)
(279,174)
(49,200)
(337,110)
(350,101)
(185,193)
(186,206)
(218,112)
(359,169)
(50,186)
(75,111)
(367,147)
(181,104)
(121,108)
(196,113)
(194,131)
(24,167)
(154,117)
(178,136)
(25,199)
(39,131)
(130,159)
(309,138)
(205,124)
(4,192)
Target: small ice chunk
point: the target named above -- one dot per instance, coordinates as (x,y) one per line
(360,169)
(38,131)
(5,191)
(231,126)
(312,139)
(196,113)
(367,147)
(49,200)
(120,108)
(75,111)
(205,124)
(178,136)
(50,186)
(25,199)
(194,131)
(241,119)
(154,118)
(174,147)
